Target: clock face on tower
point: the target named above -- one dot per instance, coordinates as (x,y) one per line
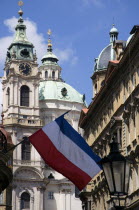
(25,69)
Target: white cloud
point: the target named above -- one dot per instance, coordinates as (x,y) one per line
(4,44)
(32,34)
(66,54)
(38,40)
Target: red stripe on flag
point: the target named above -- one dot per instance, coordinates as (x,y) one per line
(57,160)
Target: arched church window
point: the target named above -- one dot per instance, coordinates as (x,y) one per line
(53,74)
(24,96)
(26,150)
(25,200)
(46,74)
(8,95)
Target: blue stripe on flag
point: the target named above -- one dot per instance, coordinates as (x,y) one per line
(69,131)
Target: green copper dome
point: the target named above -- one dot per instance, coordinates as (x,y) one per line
(54,90)
(49,58)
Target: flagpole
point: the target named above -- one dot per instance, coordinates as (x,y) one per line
(66,112)
(25,139)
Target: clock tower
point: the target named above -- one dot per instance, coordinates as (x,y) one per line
(21,78)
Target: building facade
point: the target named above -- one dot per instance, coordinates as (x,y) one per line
(114,110)
(32,97)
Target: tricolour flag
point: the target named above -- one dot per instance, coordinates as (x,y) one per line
(63,149)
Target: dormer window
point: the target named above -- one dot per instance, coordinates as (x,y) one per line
(64,91)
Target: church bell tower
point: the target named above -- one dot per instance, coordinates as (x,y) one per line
(21,78)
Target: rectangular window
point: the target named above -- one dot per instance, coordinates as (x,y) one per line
(77,192)
(26,150)
(51,195)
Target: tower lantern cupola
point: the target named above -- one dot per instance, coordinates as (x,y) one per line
(49,57)
(50,68)
(113,34)
(20,48)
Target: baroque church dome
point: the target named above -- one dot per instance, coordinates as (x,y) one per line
(52,86)
(59,91)
(108,53)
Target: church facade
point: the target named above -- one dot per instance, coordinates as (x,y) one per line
(32,97)
(114,111)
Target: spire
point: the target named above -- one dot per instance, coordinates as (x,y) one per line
(49,49)
(113,34)
(20,35)
(49,57)
(20,48)
(50,66)
(20,12)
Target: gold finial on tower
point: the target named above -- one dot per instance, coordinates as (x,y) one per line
(20,4)
(49,32)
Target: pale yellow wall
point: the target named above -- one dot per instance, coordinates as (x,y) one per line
(107,111)
(118,98)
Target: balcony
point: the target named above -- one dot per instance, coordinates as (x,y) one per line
(21,121)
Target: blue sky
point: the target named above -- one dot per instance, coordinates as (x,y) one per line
(80,31)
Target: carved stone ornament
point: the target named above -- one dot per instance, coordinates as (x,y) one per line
(126,116)
(131,107)
(108,136)
(116,121)
(13,55)
(136,102)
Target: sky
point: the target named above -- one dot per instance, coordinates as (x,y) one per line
(80,31)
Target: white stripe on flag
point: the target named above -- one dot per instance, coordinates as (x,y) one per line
(70,150)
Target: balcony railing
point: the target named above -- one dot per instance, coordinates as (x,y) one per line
(21,121)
